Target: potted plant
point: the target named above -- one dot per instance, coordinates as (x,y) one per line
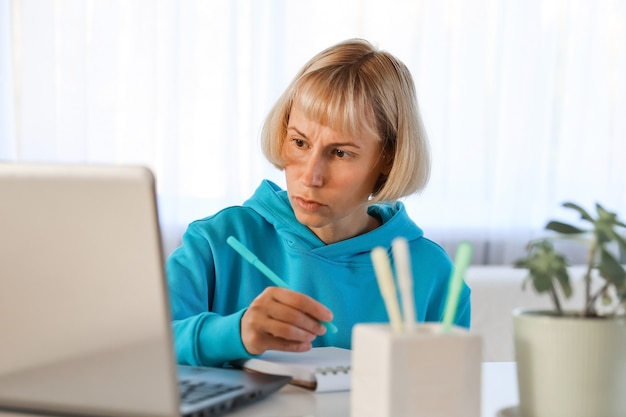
(572,363)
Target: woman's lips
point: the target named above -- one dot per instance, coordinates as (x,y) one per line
(308,204)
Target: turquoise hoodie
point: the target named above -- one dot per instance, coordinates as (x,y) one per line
(210,285)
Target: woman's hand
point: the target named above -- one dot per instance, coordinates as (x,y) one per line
(282,319)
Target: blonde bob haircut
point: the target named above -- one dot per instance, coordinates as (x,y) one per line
(353,86)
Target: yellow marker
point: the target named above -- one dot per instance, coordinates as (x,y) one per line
(387,287)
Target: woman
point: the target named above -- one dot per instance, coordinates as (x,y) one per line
(348,135)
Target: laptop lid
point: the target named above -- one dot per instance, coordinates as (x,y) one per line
(84,315)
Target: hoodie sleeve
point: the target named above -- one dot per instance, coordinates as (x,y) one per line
(201,337)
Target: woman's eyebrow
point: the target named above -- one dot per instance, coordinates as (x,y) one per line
(336,144)
(295,129)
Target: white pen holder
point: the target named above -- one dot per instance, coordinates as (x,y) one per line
(425,373)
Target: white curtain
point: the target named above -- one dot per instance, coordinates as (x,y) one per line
(524,101)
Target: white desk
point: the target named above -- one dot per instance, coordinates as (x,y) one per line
(499,390)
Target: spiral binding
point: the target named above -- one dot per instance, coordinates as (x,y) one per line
(334,370)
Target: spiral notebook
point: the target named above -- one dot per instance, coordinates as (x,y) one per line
(321,369)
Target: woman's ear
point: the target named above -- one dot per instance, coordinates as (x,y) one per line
(385,168)
(387,163)
(380,183)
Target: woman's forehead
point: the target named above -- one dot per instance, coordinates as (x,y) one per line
(338,112)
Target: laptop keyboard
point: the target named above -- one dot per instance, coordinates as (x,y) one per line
(192,392)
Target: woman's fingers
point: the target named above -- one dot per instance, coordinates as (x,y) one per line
(282,319)
(301,302)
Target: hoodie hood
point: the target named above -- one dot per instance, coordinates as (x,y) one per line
(272,203)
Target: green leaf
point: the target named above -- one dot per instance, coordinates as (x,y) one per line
(605,215)
(621,241)
(603,234)
(563,228)
(545,266)
(583,213)
(611,270)
(563,278)
(541,281)
(521,263)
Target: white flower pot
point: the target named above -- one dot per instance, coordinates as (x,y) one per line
(570,366)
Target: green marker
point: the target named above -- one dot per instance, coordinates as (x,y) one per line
(254,260)
(461,262)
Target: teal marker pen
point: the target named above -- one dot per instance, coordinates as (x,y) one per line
(256,262)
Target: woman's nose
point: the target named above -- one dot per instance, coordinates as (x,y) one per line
(313,175)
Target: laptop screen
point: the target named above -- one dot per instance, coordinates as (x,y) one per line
(83,309)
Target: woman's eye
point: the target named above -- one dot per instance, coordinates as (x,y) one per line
(340,154)
(299,142)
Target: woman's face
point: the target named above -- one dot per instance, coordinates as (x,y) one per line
(330,177)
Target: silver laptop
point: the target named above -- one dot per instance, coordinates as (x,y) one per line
(84,315)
